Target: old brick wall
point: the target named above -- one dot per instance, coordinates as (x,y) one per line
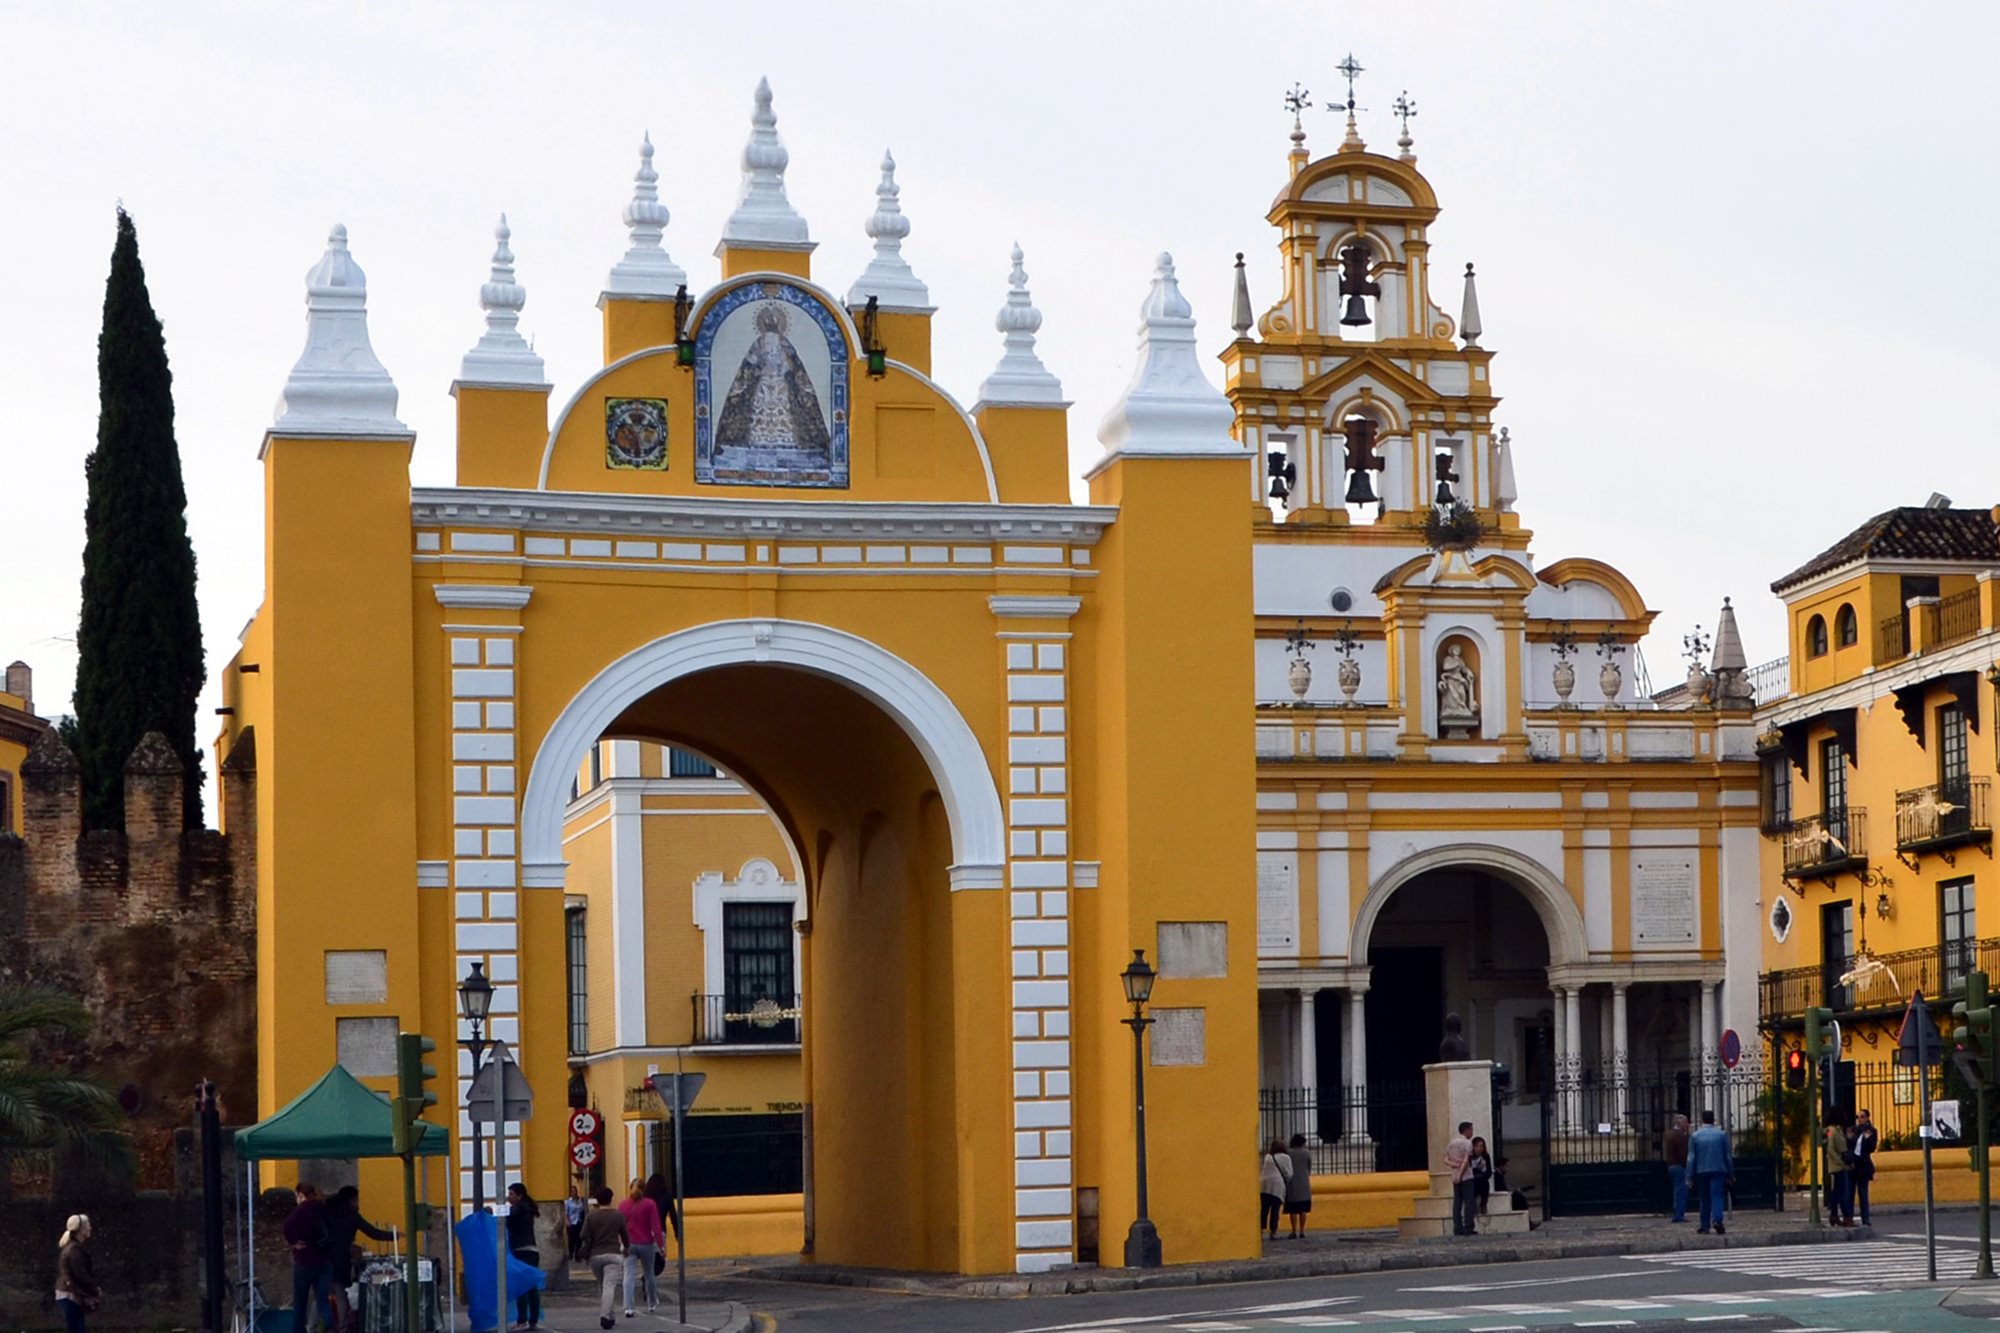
(154,929)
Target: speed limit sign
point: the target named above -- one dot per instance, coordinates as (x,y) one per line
(584,1153)
(584,1123)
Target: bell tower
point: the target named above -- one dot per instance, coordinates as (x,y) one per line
(1361,400)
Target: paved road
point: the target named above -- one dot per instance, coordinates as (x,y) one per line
(1869,1287)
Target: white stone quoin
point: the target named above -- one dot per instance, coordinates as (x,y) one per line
(338,387)
(502,355)
(888,277)
(647,269)
(1020,379)
(764,218)
(1169,407)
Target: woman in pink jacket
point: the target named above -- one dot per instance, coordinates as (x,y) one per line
(645,1234)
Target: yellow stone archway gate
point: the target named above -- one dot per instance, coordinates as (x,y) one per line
(1005,733)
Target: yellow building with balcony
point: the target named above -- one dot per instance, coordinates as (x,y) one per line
(1877,774)
(19,730)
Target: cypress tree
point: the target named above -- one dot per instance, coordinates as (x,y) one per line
(139,666)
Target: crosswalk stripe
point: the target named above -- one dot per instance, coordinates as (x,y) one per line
(1862,1262)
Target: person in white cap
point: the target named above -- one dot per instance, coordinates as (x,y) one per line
(77,1292)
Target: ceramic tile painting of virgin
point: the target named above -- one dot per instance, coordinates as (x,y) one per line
(771,391)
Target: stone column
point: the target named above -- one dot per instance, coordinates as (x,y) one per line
(1708,1064)
(1309,1047)
(1621,1060)
(1572,1103)
(1694,1027)
(1356,1123)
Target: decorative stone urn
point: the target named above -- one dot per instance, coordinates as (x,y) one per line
(1300,673)
(1565,680)
(1350,678)
(1610,680)
(1699,682)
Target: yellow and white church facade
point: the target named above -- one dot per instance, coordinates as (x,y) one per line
(759,615)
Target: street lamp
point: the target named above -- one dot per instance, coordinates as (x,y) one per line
(1142,1242)
(475,997)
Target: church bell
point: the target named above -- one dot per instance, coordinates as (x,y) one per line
(1358,489)
(1355,285)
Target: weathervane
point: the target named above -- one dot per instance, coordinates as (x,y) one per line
(1404,109)
(1350,69)
(1296,101)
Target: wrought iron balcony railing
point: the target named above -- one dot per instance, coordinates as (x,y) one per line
(1940,817)
(1957,617)
(1824,845)
(1892,639)
(742,1020)
(1938,970)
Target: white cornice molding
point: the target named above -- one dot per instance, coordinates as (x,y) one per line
(484,597)
(1839,574)
(1973,655)
(1030,607)
(964,877)
(587,514)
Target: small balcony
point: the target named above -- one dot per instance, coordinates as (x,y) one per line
(742,1020)
(1943,817)
(1825,845)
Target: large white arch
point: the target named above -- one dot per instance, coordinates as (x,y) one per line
(1561,921)
(930,719)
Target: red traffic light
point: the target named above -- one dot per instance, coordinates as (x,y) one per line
(1795,1069)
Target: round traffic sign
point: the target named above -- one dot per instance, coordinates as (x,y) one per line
(584,1153)
(1732,1048)
(584,1123)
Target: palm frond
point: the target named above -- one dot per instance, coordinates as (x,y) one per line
(27,1009)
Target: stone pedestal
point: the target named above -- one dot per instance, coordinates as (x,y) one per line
(1455,1092)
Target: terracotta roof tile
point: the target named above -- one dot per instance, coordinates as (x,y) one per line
(1910,533)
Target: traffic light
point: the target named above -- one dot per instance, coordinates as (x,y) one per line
(1816,1023)
(1973,1036)
(1795,1069)
(413,1097)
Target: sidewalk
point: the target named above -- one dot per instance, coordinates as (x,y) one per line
(1328,1253)
(574,1308)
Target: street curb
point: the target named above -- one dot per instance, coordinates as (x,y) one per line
(740,1320)
(1446,1255)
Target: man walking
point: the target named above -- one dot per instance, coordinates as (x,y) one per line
(1862,1143)
(1675,1148)
(1458,1160)
(1712,1166)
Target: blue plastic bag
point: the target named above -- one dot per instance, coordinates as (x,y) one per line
(476,1237)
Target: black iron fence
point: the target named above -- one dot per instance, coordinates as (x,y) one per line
(1349,1131)
(1826,844)
(1935,970)
(1957,617)
(1942,814)
(737,1020)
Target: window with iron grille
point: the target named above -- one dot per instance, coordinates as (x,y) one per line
(684,764)
(579,1006)
(1957,930)
(756,958)
(1777,792)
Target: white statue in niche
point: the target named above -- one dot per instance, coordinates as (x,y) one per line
(1458,696)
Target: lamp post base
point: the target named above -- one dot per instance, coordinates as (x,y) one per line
(1142,1245)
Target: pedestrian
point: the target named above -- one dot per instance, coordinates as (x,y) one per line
(1458,1160)
(662,1195)
(1503,1178)
(343,1221)
(602,1243)
(1274,1172)
(77,1292)
(643,1234)
(1674,1147)
(573,1210)
(1713,1167)
(1862,1143)
(521,1214)
(310,1235)
(1299,1186)
(1839,1205)
(1482,1174)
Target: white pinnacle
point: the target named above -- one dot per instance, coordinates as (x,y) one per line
(1468,312)
(764,218)
(1505,492)
(1169,407)
(646,269)
(502,355)
(1020,379)
(338,387)
(888,277)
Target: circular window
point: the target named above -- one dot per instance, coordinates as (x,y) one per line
(1342,600)
(1781,919)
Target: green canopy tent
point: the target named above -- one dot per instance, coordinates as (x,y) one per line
(335,1117)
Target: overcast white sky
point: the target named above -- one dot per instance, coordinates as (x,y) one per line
(1737,261)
